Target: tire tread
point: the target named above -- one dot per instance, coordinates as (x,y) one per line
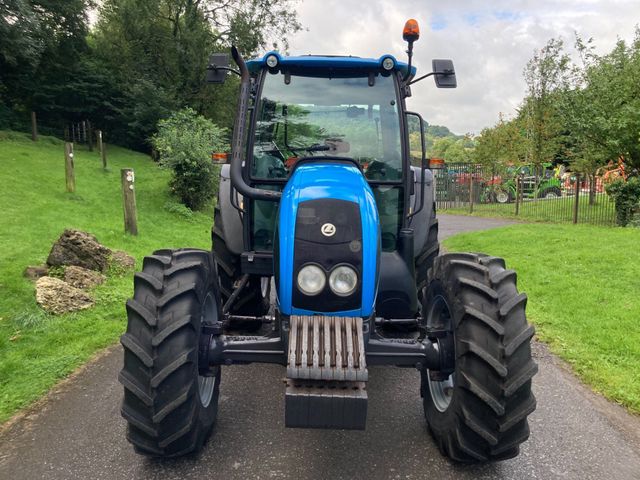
(487,421)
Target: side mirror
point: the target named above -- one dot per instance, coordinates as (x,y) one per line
(444,74)
(218,68)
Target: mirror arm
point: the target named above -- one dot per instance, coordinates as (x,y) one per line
(425,76)
(213,66)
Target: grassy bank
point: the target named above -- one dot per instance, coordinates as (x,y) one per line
(583,285)
(37,349)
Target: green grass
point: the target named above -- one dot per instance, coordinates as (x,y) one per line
(583,284)
(559,210)
(36,349)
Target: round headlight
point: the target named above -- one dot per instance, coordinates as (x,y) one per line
(388,63)
(272,61)
(343,280)
(311,280)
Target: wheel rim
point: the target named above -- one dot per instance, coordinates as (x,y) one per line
(206,384)
(439,317)
(551,195)
(502,197)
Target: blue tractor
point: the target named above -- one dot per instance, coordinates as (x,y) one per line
(320,199)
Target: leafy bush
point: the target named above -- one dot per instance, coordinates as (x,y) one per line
(627,198)
(179,209)
(184,142)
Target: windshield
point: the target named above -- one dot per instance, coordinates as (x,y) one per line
(353,117)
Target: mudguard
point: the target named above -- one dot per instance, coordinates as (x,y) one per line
(231,221)
(420,223)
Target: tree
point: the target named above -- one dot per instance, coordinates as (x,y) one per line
(602,107)
(19,30)
(502,145)
(157,52)
(42,42)
(545,77)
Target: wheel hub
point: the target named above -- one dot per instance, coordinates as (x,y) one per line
(207,381)
(502,197)
(439,325)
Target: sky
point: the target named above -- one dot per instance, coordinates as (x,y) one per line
(489,41)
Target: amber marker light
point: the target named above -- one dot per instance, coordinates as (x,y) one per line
(219,157)
(411,31)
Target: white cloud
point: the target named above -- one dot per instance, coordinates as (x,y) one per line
(490,43)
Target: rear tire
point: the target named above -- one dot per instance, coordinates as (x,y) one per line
(479,413)
(169,407)
(254,300)
(502,196)
(551,192)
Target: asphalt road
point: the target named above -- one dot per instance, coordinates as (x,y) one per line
(77,432)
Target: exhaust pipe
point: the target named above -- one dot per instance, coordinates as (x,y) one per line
(237,144)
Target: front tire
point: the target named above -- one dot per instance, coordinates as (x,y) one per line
(479,413)
(170,408)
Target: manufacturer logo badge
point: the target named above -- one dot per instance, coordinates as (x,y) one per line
(328,229)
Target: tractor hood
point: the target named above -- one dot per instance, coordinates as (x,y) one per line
(327,217)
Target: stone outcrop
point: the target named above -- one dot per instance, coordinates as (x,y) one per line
(57,297)
(35,272)
(81,249)
(123,260)
(82,278)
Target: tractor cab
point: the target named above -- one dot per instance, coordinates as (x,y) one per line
(317,110)
(311,107)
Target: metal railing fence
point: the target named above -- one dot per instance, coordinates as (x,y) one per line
(526,193)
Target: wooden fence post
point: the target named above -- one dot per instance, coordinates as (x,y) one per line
(90,135)
(34,127)
(68,167)
(129,201)
(577,200)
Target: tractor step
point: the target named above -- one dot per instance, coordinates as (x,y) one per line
(327,373)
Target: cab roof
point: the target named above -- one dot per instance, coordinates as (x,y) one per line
(332,62)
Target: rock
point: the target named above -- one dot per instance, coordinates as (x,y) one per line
(81,249)
(123,260)
(35,272)
(82,278)
(56,296)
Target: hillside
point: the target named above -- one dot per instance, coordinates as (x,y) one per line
(36,349)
